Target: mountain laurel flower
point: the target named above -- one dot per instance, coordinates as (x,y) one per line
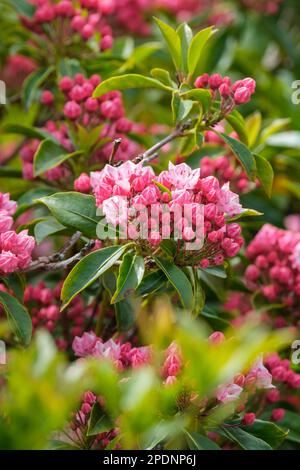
(180,191)
(228,393)
(275,266)
(229,95)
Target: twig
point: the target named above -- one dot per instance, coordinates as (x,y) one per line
(47,263)
(117,143)
(151,153)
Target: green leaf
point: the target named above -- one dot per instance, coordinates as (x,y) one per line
(18,317)
(32,84)
(253,128)
(199,95)
(130,276)
(151,283)
(23,7)
(216,271)
(124,310)
(99,421)
(49,155)
(197,441)
(245,440)
(236,120)
(125,82)
(125,315)
(196,48)
(16,283)
(29,198)
(268,432)
(162,75)
(242,153)
(179,281)
(74,210)
(214,320)
(181,108)
(245,213)
(265,173)
(173,41)
(45,228)
(32,132)
(88,270)
(185,34)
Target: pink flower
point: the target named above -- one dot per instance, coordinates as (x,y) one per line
(248,419)
(242,95)
(116,210)
(6,221)
(259,375)
(83,183)
(228,393)
(229,202)
(216,338)
(6,205)
(278,414)
(8,262)
(47,98)
(85,345)
(292,222)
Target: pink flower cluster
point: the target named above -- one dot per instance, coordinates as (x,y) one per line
(79,425)
(172,364)
(43,303)
(15,249)
(118,189)
(70,19)
(123,355)
(258,377)
(230,94)
(275,265)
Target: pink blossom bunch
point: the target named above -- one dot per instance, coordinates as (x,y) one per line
(15,248)
(275,266)
(107,111)
(43,303)
(118,189)
(79,426)
(264,6)
(123,355)
(70,20)
(258,377)
(229,94)
(172,364)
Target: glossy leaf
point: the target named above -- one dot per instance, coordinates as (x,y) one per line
(173,41)
(126,82)
(18,317)
(45,228)
(196,48)
(88,270)
(130,276)
(179,281)
(265,173)
(49,155)
(197,441)
(243,154)
(74,210)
